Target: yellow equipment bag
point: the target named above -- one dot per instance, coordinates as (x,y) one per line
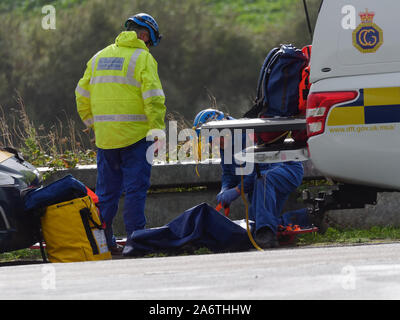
(72,232)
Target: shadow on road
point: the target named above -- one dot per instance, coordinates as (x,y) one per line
(20,263)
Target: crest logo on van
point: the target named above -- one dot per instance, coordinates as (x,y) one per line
(367,37)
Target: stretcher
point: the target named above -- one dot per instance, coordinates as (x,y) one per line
(289,150)
(286,235)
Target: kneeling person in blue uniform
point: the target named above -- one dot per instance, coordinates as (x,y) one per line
(268,189)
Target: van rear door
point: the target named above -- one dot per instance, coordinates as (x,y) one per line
(357,37)
(353,110)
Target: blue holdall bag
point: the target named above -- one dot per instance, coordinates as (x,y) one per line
(278,83)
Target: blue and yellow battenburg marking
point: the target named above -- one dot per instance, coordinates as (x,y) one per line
(367,37)
(373,106)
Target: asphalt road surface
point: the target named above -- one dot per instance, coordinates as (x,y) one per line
(311,273)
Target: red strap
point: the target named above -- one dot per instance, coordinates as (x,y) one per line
(227,209)
(219,207)
(94,196)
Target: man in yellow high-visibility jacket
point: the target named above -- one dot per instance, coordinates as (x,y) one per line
(120,96)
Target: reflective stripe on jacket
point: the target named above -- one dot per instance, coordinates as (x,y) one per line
(120,93)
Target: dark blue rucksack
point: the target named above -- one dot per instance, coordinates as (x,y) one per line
(278,83)
(65,189)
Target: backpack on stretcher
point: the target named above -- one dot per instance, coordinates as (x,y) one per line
(282,89)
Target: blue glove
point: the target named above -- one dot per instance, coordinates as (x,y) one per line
(226,197)
(220,194)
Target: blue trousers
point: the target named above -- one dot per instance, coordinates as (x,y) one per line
(270,193)
(296,217)
(123,170)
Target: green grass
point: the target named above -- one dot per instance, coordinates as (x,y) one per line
(351,236)
(253,13)
(26,6)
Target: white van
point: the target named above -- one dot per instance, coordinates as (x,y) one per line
(353,110)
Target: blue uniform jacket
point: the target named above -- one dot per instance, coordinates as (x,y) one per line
(229,177)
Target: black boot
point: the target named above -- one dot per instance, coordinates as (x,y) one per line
(266,238)
(317,219)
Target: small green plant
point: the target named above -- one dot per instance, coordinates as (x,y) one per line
(203,250)
(20,255)
(155,255)
(41,147)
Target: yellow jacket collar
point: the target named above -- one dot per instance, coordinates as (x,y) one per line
(130,39)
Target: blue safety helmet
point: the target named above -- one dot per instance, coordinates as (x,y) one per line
(147,21)
(206,116)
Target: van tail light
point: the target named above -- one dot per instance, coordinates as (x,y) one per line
(318,106)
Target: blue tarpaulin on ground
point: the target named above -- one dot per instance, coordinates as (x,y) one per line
(200,226)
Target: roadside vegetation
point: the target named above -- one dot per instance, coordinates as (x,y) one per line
(210,48)
(352,236)
(57,147)
(21,255)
